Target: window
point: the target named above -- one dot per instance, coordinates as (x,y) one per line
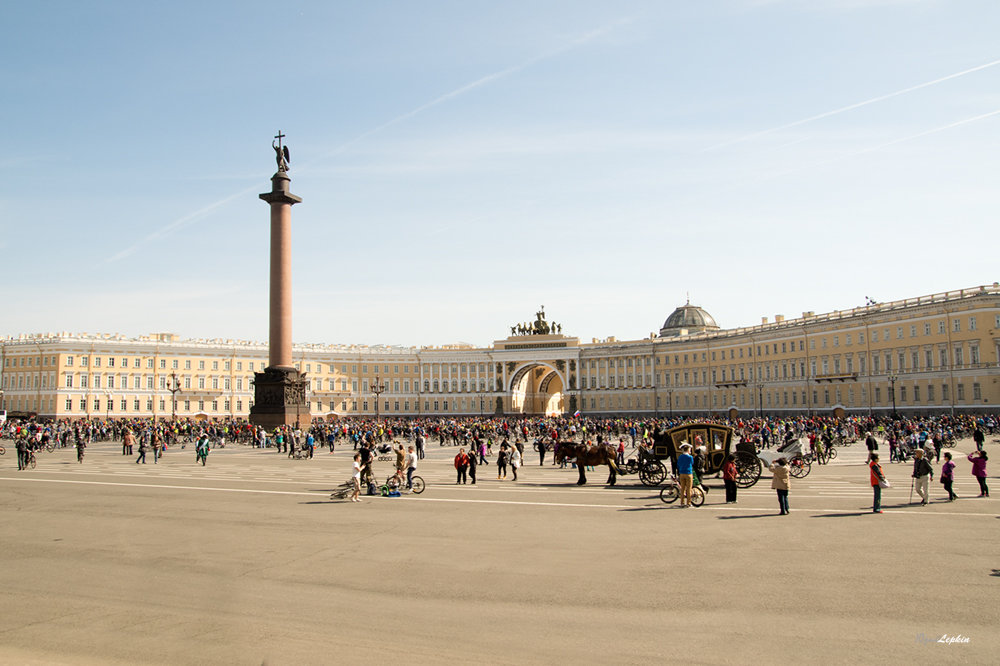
(187,365)
(928,359)
(930,393)
(69,381)
(977,391)
(916,394)
(972,323)
(941,330)
(163,364)
(899,332)
(974,355)
(69,359)
(913,331)
(874,336)
(927,328)
(944,392)
(956,326)
(960,392)
(201,365)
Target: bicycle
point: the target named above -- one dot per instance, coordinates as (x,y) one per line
(799,467)
(670,493)
(31,459)
(343,491)
(395,482)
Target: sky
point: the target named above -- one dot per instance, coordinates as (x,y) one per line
(462,163)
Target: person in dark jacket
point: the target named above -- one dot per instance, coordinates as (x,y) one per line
(923,473)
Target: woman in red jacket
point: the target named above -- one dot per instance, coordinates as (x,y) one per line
(877,479)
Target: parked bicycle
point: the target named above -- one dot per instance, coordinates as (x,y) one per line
(670,492)
(397,482)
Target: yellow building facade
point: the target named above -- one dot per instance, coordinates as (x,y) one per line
(930,354)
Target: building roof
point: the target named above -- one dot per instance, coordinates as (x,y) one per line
(687,318)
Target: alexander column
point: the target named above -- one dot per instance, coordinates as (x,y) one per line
(280,390)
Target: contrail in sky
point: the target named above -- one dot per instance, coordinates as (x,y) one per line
(854,106)
(478,83)
(880,146)
(489,78)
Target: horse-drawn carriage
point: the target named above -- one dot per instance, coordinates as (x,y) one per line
(750,462)
(715,438)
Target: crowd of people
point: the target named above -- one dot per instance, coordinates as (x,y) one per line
(920,439)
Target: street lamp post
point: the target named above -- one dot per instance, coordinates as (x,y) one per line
(760,399)
(174,387)
(892,393)
(670,403)
(378,388)
(107,400)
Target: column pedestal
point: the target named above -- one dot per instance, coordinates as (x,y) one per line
(280,398)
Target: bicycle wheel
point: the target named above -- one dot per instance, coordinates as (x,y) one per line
(2,450)
(32,462)
(697,496)
(49,448)
(799,468)
(831,453)
(418,485)
(669,494)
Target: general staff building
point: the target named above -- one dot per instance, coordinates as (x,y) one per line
(924,355)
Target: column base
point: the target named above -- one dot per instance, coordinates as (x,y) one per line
(280,398)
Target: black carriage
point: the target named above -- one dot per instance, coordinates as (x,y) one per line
(717,440)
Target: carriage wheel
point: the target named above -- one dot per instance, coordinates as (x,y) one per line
(799,467)
(652,474)
(631,467)
(697,496)
(669,494)
(748,469)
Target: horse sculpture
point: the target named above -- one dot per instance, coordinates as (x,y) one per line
(599,454)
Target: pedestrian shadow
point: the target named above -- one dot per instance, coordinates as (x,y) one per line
(651,507)
(996,573)
(744,516)
(847,514)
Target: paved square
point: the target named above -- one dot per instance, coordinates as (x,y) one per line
(247,561)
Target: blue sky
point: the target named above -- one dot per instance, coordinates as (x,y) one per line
(462,163)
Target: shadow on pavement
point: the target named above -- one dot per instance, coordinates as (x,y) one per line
(754,515)
(842,515)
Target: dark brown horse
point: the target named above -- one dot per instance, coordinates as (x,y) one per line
(595,454)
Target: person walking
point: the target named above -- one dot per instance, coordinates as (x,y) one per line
(411,467)
(729,474)
(978,460)
(872,445)
(948,476)
(515,460)
(685,473)
(877,480)
(22,453)
(201,450)
(502,463)
(157,445)
(142,452)
(978,438)
(541,451)
(462,465)
(781,482)
(356,478)
(472,467)
(923,473)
